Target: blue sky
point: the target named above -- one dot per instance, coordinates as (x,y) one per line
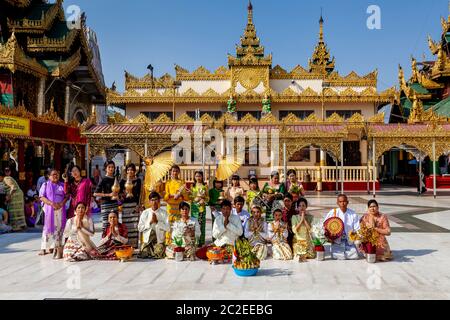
(135,33)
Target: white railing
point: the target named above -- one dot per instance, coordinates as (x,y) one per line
(330,174)
(326,174)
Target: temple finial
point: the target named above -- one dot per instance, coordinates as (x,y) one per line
(250,12)
(321,26)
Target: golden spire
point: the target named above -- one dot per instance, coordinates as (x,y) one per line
(415,72)
(250,50)
(320,62)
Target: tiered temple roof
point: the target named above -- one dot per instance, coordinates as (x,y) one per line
(39,41)
(250,77)
(426,94)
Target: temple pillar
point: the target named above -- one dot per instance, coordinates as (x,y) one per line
(322,163)
(41,97)
(67,103)
(363,150)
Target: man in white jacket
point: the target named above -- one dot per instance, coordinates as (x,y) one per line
(153,223)
(227,227)
(343,248)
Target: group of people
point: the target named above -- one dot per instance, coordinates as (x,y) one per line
(274,219)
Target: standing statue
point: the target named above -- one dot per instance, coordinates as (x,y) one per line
(266,105)
(231,105)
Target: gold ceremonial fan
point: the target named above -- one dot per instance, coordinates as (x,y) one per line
(227,167)
(156,169)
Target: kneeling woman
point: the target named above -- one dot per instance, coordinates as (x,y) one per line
(379,222)
(278,234)
(256,233)
(186,230)
(78,232)
(115,235)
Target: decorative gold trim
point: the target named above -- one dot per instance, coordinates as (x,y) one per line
(163,118)
(184,118)
(45,44)
(13,58)
(356,118)
(334,118)
(201,73)
(291,119)
(38,26)
(19,3)
(378,118)
(141,118)
(65,68)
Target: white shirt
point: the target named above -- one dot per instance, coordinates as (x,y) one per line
(229,234)
(161,227)
(31,193)
(243,215)
(350,219)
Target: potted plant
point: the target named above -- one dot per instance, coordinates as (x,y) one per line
(179,249)
(319,239)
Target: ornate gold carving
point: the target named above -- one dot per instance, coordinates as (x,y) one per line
(12,57)
(334,118)
(46,44)
(163,118)
(202,73)
(65,68)
(51,116)
(356,118)
(184,118)
(206,118)
(378,118)
(210,93)
(288,92)
(189,93)
(291,119)
(320,62)
(312,118)
(269,118)
(38,26)
(248,118)
(117,118)
(434,47)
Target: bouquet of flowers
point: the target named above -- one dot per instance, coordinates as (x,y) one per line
(178,241)
(367,237)
(295,189)
(318,237)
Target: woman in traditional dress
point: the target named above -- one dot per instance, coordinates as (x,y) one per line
(278,235)
(303,246)
(15,203)
(54,198)
(256,232)
(216,195)
(188,230)
(252,193)
(199,197)
(374,219)
(289,210)
(175,194)
(273,192)
(115,235)
(235,189)
(78,232)
(79,189)
(108,197)
(293,186)
(130,202)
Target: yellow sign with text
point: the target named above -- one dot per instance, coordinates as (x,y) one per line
(14,126)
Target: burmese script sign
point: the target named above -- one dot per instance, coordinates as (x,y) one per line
(14,126)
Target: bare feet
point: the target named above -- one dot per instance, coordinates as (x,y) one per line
(51,250)
(42,253)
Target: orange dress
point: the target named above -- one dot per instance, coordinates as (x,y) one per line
(381,222)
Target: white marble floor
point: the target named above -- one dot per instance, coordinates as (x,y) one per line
(420,242)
